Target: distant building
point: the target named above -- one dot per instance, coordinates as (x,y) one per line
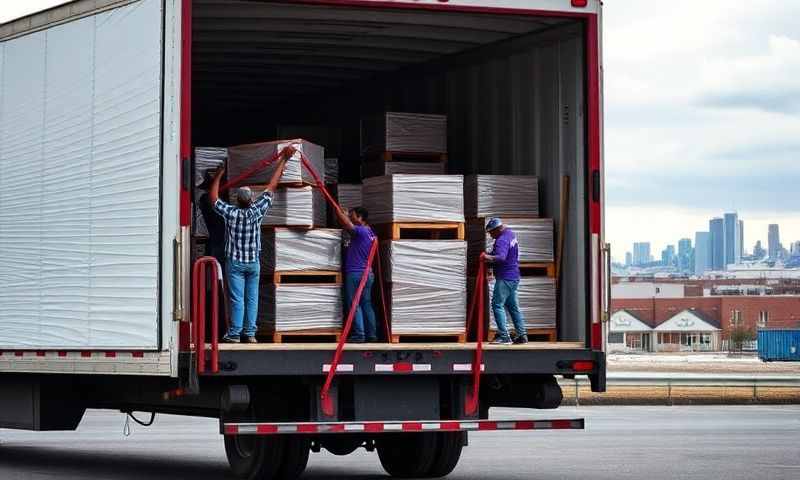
(796,249)
(641,253)
(685,255)
(647,290)
(702,252)
(732,256)
(741,240)
(628,259)
(758,251)
(668,256)
(716,228)
(773,242)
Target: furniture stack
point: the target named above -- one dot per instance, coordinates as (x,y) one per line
(403,143)
(515,200)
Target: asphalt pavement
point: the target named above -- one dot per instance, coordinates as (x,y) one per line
(652,443)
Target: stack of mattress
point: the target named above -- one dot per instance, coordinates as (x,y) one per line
(207,159)
(414,198)
(285,250)
(349,195)
(380,168)
(241,158)
(404,132)
(294,307)
(427,281)
(537,301)
(501,195)
(534,236)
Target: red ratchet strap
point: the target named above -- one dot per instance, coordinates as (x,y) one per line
(199,276)
(471,407)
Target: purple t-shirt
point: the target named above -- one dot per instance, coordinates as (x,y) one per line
(506,252)
(356,249)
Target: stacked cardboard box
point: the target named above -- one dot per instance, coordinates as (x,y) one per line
(414,198)
(405,133)
(243,157)
(537,301)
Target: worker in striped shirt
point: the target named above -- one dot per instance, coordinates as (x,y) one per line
(243,249)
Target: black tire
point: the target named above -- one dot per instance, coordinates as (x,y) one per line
(447,454)
(254,457)
(407,455)
(295,457)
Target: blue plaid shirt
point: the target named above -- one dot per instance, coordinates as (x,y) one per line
(243,228)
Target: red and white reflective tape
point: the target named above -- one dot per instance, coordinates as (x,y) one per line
(72,354)
(402,367)
(388,427)
(466,367)
(342,367)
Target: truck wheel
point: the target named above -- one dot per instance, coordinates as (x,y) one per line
(254,457)
(295,457)
(407,455)
(447,454)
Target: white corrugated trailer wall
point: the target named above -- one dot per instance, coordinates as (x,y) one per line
(80,151)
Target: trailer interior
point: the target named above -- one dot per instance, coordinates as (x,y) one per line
(512,86)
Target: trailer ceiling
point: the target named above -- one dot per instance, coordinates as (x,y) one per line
(251,54)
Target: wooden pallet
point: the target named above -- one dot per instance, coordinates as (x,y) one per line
(538,269)
(429,337)
(392,156)
(421,231)
(308,277)
(534,335)
(321,335)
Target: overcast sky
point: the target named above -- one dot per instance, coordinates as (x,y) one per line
(702,116)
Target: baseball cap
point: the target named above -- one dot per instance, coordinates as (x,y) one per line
(493,223)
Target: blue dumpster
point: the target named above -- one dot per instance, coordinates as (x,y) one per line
(779,345)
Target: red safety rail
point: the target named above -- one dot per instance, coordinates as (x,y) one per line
(310,428)
(199,277)
(476,311)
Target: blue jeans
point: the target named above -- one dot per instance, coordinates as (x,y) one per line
(505,297)
(364,325)
(243,286)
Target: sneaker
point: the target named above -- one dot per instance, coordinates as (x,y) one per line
(502,341)
(229,339)
(250,340)
(521,340)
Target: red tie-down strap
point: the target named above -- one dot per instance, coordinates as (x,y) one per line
(199,277)
(477,313)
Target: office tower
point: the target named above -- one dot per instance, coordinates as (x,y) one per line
(796,249)
(716,228)
(684,254)
(731,239)
(702,252)
(628,259)
(668,256)
(741,240)
(758,251)
(641,253)
(773,242)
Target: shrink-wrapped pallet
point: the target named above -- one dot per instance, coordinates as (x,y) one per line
(287,250)
(534,237)
(328,137)
(427,281)
(414,198)
(294,207)
(380,168)
(404,133)
(241,158)
(207,159)
(537,301)
(294,307)
(331,171)
(499,195)
(349,195)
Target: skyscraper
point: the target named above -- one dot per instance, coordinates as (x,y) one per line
(684,254)
(628,259)
(716,230)
(741,240)
(758,251)
(773,242)
(732,255)
(702,252)
(641,253)
(668,256)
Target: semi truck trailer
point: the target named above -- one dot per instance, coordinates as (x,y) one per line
(101,104)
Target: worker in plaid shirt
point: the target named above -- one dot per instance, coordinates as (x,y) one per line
(243,249)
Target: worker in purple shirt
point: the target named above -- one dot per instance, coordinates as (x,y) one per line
(505,263)
(356,254)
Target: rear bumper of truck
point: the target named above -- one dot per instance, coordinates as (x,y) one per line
(560,358)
